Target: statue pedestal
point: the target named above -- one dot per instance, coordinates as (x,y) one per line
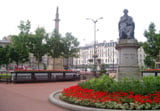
(55,63)
(128,59)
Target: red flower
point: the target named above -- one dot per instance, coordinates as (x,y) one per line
(100,96)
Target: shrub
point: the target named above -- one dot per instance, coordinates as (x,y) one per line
(147,85)
(114,100)
(126,94)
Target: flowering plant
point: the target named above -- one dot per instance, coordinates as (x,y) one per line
(104,92)
(114,100)
(152,69)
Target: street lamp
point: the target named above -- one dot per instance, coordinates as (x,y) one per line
(113,57)
(94,48)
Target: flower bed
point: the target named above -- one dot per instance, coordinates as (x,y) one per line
(152,70)
(111,99)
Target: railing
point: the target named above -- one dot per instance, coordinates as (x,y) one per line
(151,72)
(43,76)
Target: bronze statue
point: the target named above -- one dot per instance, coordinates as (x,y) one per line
(126,26)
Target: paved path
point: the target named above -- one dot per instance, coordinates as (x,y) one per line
(30,96)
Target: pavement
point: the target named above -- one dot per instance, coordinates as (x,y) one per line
(30,96)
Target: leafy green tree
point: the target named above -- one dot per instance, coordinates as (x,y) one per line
(103,69)
(24,27)
(15,55)
(151,46)
(36,44)
(141,44)
(54,46)
(1,55)
(5,56)
(70,46)
(20,50)
(19,43)
(149,61)
(7,59)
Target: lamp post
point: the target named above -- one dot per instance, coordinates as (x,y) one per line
(94,48)
(113,57)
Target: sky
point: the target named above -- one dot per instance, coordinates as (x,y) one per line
(73,14)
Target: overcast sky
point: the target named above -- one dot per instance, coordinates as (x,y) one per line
(73,14)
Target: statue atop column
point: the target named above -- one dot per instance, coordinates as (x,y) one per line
(126,26)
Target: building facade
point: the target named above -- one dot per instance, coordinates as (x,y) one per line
(3,43)
(107,54)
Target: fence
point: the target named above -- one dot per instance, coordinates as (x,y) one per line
(43,76)
(150,73)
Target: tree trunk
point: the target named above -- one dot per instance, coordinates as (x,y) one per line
(53,63)
(17,63)
(6,67)
(38,64)
(67,64)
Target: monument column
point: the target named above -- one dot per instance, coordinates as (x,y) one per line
(57,21)
(128,49)
(56,63)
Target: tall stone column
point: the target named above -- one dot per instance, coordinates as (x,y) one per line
(56,63)
(128,58)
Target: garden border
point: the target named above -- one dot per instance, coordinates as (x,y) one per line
(54,99)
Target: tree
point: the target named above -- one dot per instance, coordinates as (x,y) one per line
(7,59)
(54,46)
(19,43)
(36,45)
(103,69)
(20,50)
(5,56)
(15,56)
(151,46)
(70,46)
(24,27)
(1,55)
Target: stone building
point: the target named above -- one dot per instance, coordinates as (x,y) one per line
(4,42)
(107,54)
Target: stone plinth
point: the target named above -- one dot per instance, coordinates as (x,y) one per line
(128,58)
(55,63)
